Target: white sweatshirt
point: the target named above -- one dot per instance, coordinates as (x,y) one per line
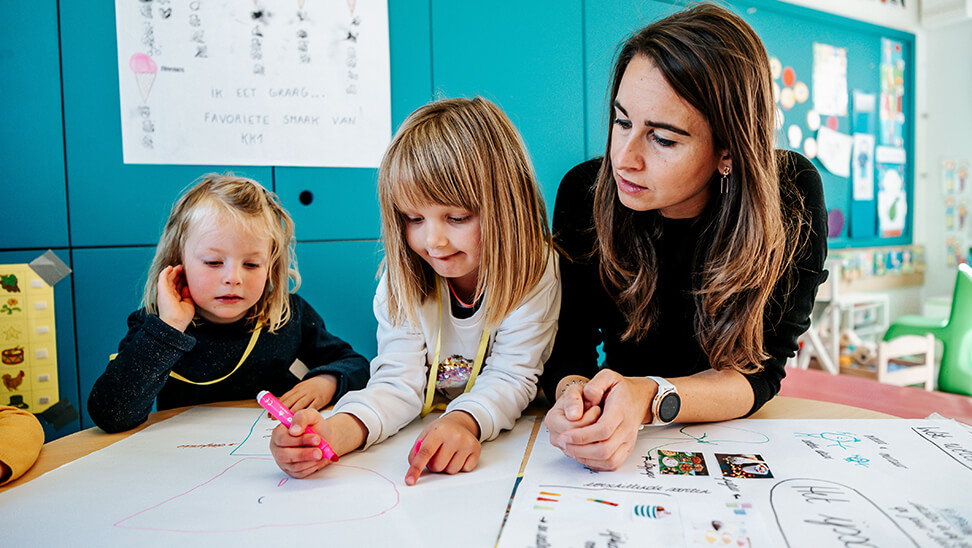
(505,385)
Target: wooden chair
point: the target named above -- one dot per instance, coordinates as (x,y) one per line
(902,361)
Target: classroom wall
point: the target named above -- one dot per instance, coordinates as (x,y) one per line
(948,135)
(66,187)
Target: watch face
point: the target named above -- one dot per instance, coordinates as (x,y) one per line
(669,406)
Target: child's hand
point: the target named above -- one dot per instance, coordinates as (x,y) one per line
(573,409)
(298,454)
(176,307)
(450,445)
(313,393)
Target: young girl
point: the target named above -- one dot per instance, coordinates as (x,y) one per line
(470,286)
(219,321)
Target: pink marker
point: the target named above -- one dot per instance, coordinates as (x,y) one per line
(286,417)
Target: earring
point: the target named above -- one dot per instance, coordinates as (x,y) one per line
(724,183)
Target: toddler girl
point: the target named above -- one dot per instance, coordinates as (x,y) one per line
(470,286)
(219,321)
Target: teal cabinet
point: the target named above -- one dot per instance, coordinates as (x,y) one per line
(528,58)
(32,143)
(110,283)
(339,280)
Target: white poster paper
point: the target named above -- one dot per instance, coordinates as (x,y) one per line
(813,483)
(206,478)
(272,82)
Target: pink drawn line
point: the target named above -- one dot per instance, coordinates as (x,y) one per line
(385,511)
(283,481)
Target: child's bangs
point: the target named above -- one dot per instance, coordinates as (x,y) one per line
(210,213)
(431,175)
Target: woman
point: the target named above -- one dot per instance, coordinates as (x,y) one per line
(693,249)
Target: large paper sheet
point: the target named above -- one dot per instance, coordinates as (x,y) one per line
(748,483)
(273,82)
(206,478)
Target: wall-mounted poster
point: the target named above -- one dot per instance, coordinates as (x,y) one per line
(267,82)
(891,112)
(892,199)
(28,342)
(829,79)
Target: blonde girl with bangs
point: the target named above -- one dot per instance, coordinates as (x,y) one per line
(219,319)
(467,304)
(696,249)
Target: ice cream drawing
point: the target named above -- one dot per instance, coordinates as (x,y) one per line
(145,70)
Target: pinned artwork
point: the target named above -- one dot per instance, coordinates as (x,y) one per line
(776,68)
(810,148)
(862,166)
(892,96)
(892,201)
(795,135)
(801,92)
(834,150)
(835,223)
(830,79)
(813,120)
(28,362)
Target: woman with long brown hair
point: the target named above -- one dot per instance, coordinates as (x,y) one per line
(692,250)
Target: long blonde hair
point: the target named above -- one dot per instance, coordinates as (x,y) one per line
(464,153)
(215,197)
(716,62)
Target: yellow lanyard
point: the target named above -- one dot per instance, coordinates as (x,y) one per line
(249,348)
(434,368)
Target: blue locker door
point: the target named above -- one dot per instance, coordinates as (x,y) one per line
(528,58)
(32,170)
(108,286)
(339,281)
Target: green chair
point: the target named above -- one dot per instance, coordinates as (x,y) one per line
(955,332)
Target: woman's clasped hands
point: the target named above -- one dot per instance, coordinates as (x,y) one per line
(596,423)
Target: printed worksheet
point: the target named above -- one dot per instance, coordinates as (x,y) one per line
(268,82)
(744,483)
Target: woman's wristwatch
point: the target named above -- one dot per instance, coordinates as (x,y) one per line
(665,406)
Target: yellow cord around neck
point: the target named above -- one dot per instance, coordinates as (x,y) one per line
(434,368)
(246,353)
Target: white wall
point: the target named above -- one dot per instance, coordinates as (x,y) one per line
(948,123)
(899,17)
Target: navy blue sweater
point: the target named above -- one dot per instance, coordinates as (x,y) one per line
(123,395)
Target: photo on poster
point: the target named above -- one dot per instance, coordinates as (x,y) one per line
(743,466)
(681,463)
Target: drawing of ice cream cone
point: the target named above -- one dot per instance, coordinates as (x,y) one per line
(145,70)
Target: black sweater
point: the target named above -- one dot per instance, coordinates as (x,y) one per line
(589,316)
(122,397)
